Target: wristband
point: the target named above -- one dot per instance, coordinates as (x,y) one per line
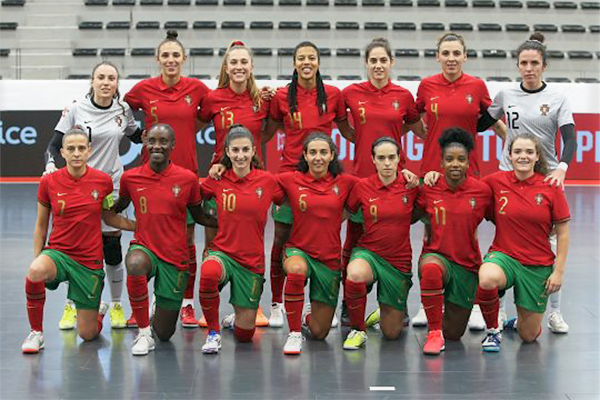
(563,166)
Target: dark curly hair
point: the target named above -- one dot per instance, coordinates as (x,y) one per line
(335,168)
(456,137)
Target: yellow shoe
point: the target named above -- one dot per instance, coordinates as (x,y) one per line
(117,317)
(69,318)
(261,319)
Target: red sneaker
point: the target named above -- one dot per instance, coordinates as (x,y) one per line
(434,344)
(261,318)
(131,322)
(188,317)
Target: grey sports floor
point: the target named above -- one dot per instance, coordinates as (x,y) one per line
(556,367)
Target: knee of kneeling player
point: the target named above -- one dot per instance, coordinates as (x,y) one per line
(243,335)
(391,333)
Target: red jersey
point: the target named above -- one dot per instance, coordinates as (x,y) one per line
(450,104)
(524,212)
(305,120)
(387,212)
(177,106)
(243,205)
(455,216)
(76,207)
(223,107)
(377,113)
(317,206)
(161,200)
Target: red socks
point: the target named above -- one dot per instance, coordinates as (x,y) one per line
(490,305)
(432,294)
(192,266)
(277,274)
(137,288)
(243,335)
(209,293)
(36,297)
(294,300)
(355,295)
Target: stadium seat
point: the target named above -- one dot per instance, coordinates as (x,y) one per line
(179,2)
(573,28)
(204,25)
(87,52)
(580,55)
(234,2)
(346,25)
(262,51)
(318,25)
(290,2)
(545,27)
(320,3)
(232,25)
(349,78)
(432,26)
(285,51)
(489,27)
(116,52)
(207,2)
(143,52)
(262,77)
(13,3)
(373,3)
(401,3)
(406,53)
(284,77)
(471,53)
(262,3)
(179,25)
(484,4)
(376,26)
(325,52)
(517,28)
(151,2)
(266,25)
(404,26)
(118,25)
(8,26)
(595,28)
(428,3)
(590,5)
(221,52)
(85,25)
(138,76)
(79,76)
(498,79)
(147,25)
(460,26)
(4,52)
(345,3)
(538,4)
(200,76)
(408,78)
(429,53)
(87,2)
(510,4)
(565,5)
(347,52)
(555,54)
(587,80)
(123,2)
(202,52)
(456,3)
(493,53)
(290,25)
(326,77)
(558,79)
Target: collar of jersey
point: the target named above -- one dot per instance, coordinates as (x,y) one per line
(230,90)
(162,173)
(448,83)
(446,187)
(384,89)
(99,106)
(308,177)
(380,185)
(163,86)
(71,177)
(234,178)
(529,181)
(533,91)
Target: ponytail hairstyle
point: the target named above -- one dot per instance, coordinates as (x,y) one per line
(171,37)
(117,95)
(451,37)
(77,130)
(456,137)
(535,42)
(251,84)
(541,166)
(335,167)
(382,140)
(239,131)
(379,42)
(293,85)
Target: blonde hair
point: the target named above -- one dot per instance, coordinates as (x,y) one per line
(251,84)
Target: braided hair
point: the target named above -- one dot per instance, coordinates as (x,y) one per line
(293,85)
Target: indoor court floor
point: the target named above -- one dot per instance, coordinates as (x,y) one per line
(556,367)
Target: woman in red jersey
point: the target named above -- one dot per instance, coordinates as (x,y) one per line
(244,195)
(456,205)
(304,106)
(316,194)
(383,253)
(174,99)
(78,198)
(525,210)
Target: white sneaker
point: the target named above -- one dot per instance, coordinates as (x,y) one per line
(556,323)
(306,310)
(335,321)
(228,321)
(420,319)
(476,321)
(277,315)
(293,344)
(502,318)
(142,344)
(212,344)
(103,309)
(34,343)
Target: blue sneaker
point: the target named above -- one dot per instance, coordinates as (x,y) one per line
(492,341)
(511,324)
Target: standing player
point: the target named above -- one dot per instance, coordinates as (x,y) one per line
(316,193)
(533,107)
(525,210)
(244,194)
(451,99)
(107,121)
(304,106)
(456,205)
(383,253)
(162,193)
(77,197)
(174,100)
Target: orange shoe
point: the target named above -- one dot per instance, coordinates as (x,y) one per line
(202,323)
(188,317)
(434,344)
(261,319)
(131,322)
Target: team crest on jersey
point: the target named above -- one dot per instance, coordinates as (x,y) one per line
(472,202)
(188,100)
(256,108)
(538,199)
(119,120)
(405,199)
(259,192)
(176,190)
(469,99)
(545,109)
(336,190)
(396,105)
(95,194)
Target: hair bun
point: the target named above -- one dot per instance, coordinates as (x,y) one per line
(172,34)
(538,36)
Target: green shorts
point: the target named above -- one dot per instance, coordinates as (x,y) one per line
(460,286)
(282,214)
(392,285)
(169,282)
(324,283)
(210,207)
(85,284)
(246,286)
(357,217)
(529,281)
